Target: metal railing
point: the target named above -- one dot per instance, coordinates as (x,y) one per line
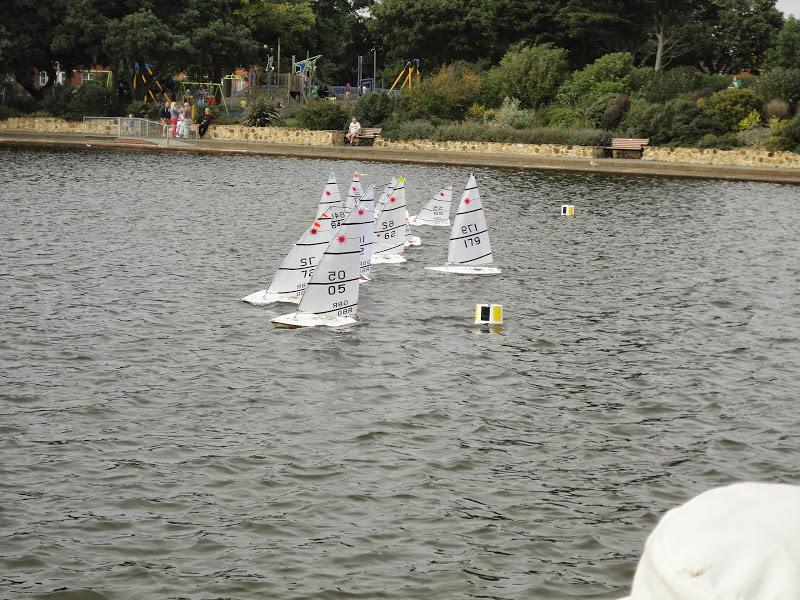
(132,128)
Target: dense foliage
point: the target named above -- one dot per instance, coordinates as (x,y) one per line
(571,71)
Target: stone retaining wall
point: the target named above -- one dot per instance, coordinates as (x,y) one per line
(747,157)
(743,157)
(549,150)
(276,135)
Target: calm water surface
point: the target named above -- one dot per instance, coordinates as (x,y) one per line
(161,440)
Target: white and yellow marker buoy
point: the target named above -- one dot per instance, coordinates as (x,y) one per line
(568,210)
(491,314)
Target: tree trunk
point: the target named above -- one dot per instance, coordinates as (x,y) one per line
(661,40)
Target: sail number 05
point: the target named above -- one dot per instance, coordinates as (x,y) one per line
(341,287)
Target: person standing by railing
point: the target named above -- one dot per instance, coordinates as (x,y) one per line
(173,118)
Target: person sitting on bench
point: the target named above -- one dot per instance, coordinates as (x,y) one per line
(353,132)
(204,123)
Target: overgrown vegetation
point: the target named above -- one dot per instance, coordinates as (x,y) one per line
(261,112)
(323,114)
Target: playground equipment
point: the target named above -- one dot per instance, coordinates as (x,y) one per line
(108,75)
(212,91)
(141,75)
(306,70)
(409,72)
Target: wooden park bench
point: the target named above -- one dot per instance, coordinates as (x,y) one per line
(626,145)
(367,136)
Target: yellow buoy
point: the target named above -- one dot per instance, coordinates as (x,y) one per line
(568,210)
(488,313)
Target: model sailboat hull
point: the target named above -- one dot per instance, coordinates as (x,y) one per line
(265,298)
(388,259)
(466,270)
(299,320)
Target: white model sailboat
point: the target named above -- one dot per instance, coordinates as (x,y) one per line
(296,269)
(469,248)
(331,296)
(436,211)
(383,200)
(390,227)
(354,192)
(410,239)
(365,210)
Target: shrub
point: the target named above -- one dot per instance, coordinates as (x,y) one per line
(472,131)
(608,74)
(532,74)
(263,112)
(726,141)
(666,85)
(56,101)
(373,109)
(750,121)
(716,82)
(476,112)
(142,110)
(787,136)
(607,111)
(323,114)
(755,137)
(781,84)
(447,94)
(92,99)
(512,115)
(728,107)
(776,109)
(677,122)
(7,112)
(565,116)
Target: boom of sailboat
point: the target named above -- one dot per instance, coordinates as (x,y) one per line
(324,268)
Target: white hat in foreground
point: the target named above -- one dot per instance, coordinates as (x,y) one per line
(737,542)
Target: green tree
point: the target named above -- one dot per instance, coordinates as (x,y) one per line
(269,19)
(743,34)
(609,74)
(785,51)
(219,47)
(531,74)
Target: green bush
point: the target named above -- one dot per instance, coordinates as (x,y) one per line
(755,137)
(564,116)
(532,74)
(679,122)
(607,111)
(609,74)
(7,112)
(261,111)
(730,106)
(142,110)
(512,115)
(323,114)
(447,94)
(92,99)
(781,84)
(786,137)
(57,99)
(373,109)
(480,132)
(716,82)
(666,85)
(726,141)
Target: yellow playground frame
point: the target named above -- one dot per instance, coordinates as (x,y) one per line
(410,71)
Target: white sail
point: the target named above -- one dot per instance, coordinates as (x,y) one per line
(390,227)
(381,202)
(469,239)
(297,267)
(354,192)
(410,239)
(330,195)
(365,211)
(331,296)
(436,211)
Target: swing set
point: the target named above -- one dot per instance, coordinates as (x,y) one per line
(141,75)
(409,72)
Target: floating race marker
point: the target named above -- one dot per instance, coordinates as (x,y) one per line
(354,192)
(436,211)
(491,314)
(568,210)
(469,239)
(331,296)
(296,269)
(390,227)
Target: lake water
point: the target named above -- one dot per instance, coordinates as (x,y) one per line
(160,439)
